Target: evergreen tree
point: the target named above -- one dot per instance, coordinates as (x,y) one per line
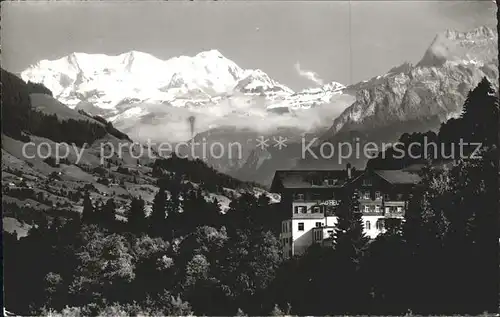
(350,244)
(350,239)
(176,221)
(107,213)
(480,114)
(136,217)
(383,261)
(197,211)
(213,213)
(423,233)
(157,218)
(88,209)
(473,234)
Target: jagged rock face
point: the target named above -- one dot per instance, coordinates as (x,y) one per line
(408,98)
(478,44)
(436,87)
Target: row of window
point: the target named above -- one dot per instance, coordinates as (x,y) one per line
(318,234)
(376,208)
(379,225)
(305,210)
(362,194)
(366,195)
(392,209)
(366,209)
(301,225)
(378,195)
(320,182)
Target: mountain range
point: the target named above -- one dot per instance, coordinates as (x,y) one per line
(112,84)
(151,99)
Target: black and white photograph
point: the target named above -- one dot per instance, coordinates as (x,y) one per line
(250,158)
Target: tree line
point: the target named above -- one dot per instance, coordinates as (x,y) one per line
(169,262)
(18,117)
(478,123)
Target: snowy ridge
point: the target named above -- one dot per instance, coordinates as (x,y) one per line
(106,81)
(112,83)
(307,98)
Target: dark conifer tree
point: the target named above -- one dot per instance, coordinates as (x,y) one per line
(158,213)
(214,213)
(383,261)
(480,115)
(88,214)
(136,216)
(350,244)
(175,220)
(197,211)
(349,236)
(107,214)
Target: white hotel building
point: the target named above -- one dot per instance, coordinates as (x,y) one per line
(309,199)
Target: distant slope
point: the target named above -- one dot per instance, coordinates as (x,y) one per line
(113,82)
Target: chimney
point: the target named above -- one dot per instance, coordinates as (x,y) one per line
(348,168)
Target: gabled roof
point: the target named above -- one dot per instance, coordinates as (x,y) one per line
(303,179)
(437,165)
(311,178)
(398,176)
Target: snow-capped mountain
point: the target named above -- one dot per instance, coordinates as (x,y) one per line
(436,86)
(113,83)
(108,81)
(151,99)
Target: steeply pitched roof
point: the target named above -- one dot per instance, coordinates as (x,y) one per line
(312,178)
(438,165)
(398,176)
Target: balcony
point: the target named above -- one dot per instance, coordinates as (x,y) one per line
(372,213)
(394,215)
(320,234)
(391,209)
(394,203)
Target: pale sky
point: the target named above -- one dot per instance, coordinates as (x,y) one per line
(339,40)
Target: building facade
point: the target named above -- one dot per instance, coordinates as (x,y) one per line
(309,200)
